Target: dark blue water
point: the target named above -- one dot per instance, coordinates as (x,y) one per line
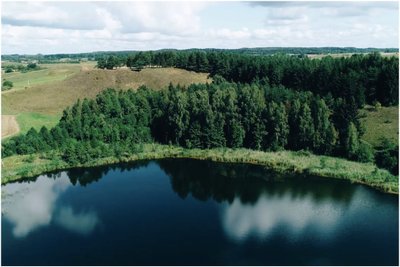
(188,212)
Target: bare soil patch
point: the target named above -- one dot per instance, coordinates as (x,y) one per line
(9,125)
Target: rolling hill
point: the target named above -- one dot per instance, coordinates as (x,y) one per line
(39,97)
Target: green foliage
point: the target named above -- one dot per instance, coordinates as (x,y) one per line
(388,156)
(110,62)
(21,68)
(365,152)
(9,69)
(30,158)
(32,66)
(377,106)
(263,103)
(352,142)
(277,126)
(366,78)
(325,136)
(200,116)
(306,127)
(283,161)
(7,85)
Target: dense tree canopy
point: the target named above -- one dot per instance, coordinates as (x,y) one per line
(200,116)
(258,102)
(366,78)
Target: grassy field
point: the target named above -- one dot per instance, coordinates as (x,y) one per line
(381,123)
(48,73)
(52,89)
(36,120)
(18,167)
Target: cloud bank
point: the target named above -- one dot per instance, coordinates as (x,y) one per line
(68,27)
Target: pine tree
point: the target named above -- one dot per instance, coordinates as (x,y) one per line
(325,134)
(294,119)
(306,128)
(276,125)
(47,137)
(352,142)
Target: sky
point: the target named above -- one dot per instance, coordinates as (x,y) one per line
(34,27)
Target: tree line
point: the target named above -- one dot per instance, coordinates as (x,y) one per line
(221,114)
(248,51)
(366,78)
(20,67)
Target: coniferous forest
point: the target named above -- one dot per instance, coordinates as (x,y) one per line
(264,103)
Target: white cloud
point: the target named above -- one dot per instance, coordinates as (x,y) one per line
(67,27)
(229,34)
(81,15)
(177,18)
(287,16)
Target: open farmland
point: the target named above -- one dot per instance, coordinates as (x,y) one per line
(338,55)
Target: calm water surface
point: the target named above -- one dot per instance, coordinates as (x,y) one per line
(188,212)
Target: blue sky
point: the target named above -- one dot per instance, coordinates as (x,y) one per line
(70,27)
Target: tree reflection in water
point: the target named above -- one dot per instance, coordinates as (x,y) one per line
(226,182)
(259,200)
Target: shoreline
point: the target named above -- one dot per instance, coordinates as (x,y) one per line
(21,167)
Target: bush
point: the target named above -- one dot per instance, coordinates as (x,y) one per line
(387,157)
(303,153)
(31,66)
(7,85)
(377,106)
(365,152)
(30,159)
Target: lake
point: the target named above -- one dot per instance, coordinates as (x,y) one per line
(191,212)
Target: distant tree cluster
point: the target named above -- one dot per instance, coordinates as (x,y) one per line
(259,51)
(21,67)
(110,62)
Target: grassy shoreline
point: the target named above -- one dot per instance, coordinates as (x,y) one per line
(19,167)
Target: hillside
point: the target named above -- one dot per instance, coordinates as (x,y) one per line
(53,89)
(46,74)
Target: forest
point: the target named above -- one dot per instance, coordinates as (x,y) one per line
(221,114)
(366,78)
(269,103)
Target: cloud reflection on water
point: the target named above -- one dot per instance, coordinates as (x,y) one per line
(241,221)
(29,206)
(81,223)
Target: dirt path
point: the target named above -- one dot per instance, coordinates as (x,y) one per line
(9,125)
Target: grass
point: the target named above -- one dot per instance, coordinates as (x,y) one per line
(49,73)
(53,97)
(36,120)
(18,167)
(59,85)
(381,123)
